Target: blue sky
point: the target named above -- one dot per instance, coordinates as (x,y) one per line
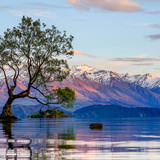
(118,35)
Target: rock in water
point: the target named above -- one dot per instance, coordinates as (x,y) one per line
(96,126)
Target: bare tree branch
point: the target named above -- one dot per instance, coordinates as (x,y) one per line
(43,102)
(14,78)
(46,104)
(35,76)
(6,80)
(39,91)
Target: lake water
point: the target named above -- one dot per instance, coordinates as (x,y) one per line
(72,139)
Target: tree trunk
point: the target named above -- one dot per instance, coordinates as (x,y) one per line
(7,113)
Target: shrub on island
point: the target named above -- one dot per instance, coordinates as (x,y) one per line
(49,113)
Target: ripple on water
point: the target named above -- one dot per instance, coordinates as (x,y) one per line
(120,139)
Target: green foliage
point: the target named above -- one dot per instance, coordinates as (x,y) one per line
(53,113)
(36,50)
(32,41)
(35,114)
(67,96)
(65,146)
(67,135)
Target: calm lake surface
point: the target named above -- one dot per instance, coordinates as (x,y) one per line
(71,138)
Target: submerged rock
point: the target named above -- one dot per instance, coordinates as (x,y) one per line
(53,113)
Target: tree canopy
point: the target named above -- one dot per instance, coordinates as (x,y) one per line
(39,53)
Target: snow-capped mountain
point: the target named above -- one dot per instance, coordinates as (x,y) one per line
(132,90)
(146,81)
(95,86)
(93,74)
(102,76)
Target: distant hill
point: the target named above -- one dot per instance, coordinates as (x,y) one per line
(115,111)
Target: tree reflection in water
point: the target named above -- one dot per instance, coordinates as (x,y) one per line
(15,148)
(51,145)
(55,144)
(66,136)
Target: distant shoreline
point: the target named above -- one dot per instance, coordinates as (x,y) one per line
(116,111)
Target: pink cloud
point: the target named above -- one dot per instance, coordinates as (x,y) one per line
(108,5)
(76,52)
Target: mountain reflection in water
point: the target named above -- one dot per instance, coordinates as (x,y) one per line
(70,138)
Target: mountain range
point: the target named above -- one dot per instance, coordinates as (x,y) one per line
(106,87)
(95,86)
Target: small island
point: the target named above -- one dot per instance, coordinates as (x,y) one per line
(49,113)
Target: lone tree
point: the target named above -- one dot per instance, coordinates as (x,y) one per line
(35,50)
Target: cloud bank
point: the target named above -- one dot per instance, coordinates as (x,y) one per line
(156,26)
(3,6)
(44,5)
(107,5)
(139,61)
(32,12)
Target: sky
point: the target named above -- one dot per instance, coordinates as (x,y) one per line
(118,35)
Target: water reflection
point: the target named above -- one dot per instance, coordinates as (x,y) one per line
(72,139)
(55,145)
(14,148)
